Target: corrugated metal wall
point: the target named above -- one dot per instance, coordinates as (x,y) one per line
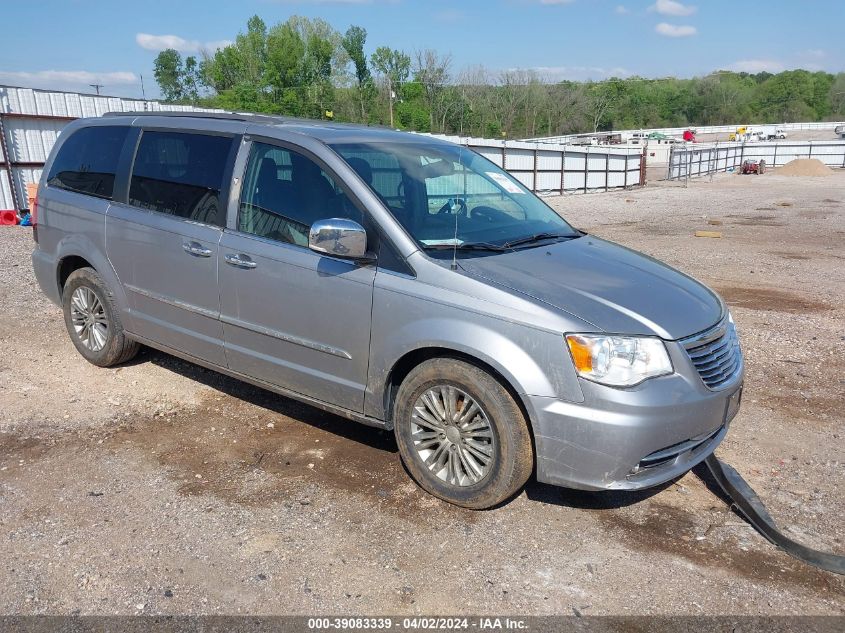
(32,101)
(555,169)
(32,120)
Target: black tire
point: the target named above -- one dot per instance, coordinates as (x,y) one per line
(116,347)
(509,444)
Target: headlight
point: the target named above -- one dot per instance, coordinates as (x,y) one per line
(618,361)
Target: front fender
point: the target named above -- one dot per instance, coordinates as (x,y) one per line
(533,361)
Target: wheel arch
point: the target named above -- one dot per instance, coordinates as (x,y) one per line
(414,358)
(77,251)
(404,365)
(67,266)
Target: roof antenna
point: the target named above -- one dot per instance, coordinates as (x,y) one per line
(457,208)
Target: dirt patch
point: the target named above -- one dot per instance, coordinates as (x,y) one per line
(696,538)
(812,408)
(812,214)
(757,220)
(258,450)
(805,167)
(769,300)
(794,256)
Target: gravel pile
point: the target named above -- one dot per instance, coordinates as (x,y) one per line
(805,167)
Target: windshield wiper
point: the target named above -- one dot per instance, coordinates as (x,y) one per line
(466,246)
(537,237)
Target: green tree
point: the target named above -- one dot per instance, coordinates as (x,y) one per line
(353,43)
(252,50)
(168,70)
(837,96)
(301,67)
(394,67)
(191,80)
(222,70)
(432,72)
(285,54)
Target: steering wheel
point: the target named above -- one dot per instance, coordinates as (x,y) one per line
(454,206)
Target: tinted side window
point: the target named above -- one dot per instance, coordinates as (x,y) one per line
(284,193)
(181,174)
(87,161)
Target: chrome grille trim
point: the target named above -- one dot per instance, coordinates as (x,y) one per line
(716,354)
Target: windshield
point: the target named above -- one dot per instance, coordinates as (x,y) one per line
(447,195)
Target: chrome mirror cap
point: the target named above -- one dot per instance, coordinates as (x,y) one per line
(339,237)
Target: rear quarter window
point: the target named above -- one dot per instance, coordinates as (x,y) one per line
(181,174)
(87,161)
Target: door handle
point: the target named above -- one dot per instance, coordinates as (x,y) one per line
(195,248)
(239,261)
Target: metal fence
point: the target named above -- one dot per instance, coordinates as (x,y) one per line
(702,159)
(700,129)
(31,120)
(558,169)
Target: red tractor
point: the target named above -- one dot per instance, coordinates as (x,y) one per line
(753,167)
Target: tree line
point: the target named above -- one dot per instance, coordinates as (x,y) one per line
(304,67)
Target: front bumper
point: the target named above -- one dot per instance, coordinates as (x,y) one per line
(628,439)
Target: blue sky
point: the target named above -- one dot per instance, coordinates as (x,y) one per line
(72,43)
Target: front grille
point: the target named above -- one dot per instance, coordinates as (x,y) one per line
(716,354)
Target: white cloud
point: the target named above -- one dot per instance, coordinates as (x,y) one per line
(579,73)
(675,30)
(162,42)
(672,7)
(114,83)
(621,9)
(757,66)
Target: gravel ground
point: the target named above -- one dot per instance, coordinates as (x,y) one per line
(160,487)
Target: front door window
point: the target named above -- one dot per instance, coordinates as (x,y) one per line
(285,192)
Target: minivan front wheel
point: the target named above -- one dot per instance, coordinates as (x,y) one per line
(92,320)
(461,435)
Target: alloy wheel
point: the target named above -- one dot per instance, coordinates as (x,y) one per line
(89,319)
(453,436)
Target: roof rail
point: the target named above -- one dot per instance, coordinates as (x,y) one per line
(272,119)
(229,116)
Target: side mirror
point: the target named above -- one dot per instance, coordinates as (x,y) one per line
(339,237)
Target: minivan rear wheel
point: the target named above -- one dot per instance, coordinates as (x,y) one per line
(92,320)
(461,435)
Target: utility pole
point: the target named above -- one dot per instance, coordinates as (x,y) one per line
(97,87)
(143,92)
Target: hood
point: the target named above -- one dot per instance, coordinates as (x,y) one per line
(616,289)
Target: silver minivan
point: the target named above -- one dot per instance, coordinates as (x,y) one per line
(395,279)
